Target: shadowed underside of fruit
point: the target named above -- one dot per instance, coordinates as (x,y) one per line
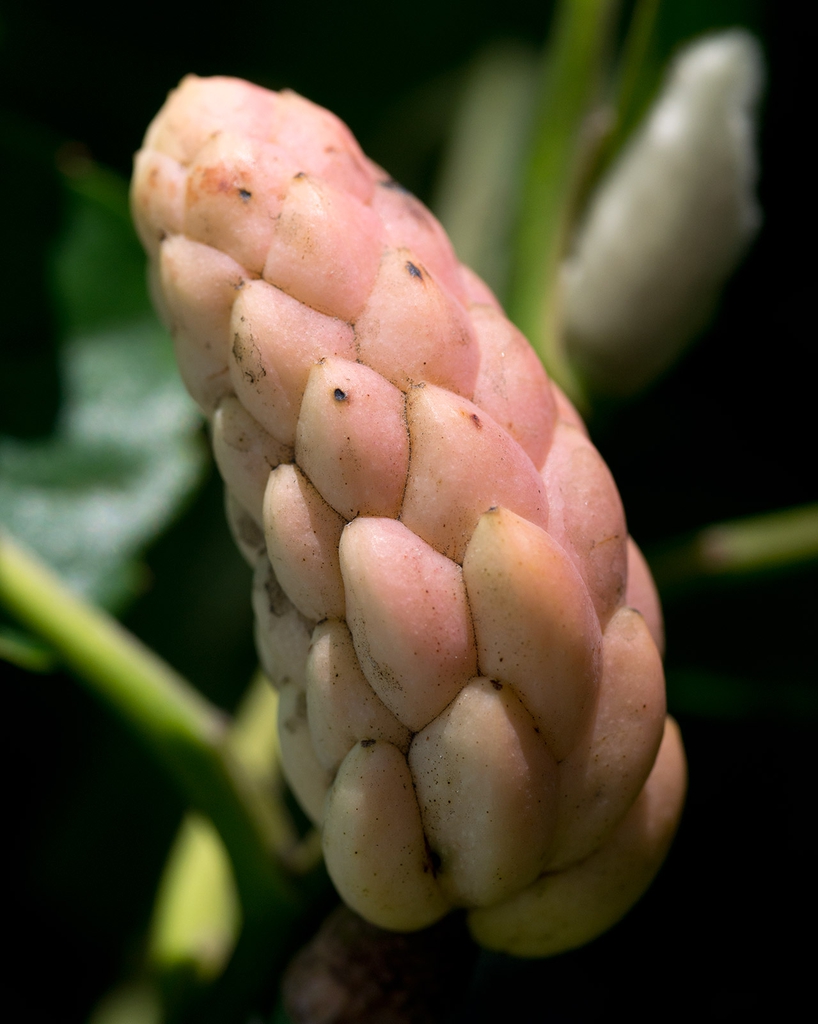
(466,640)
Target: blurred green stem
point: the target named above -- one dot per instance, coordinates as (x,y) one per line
(185,732)
(626,99)
(196,916)
(739,548)
(574,61)
(477,192)
(25,652)
(635,52)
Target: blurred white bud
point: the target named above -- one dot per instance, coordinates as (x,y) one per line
(670,221)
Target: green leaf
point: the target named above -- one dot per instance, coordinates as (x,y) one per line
(126,450)
(125,454)
(98,266)
(280,1015)
(131,1002)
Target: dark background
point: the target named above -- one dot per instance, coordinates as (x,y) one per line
(725,930)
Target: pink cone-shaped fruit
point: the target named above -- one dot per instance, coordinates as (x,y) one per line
(465,638)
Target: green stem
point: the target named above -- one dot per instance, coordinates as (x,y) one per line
(739,548)
(635,52)
(628,96)
(185,732)
(476,198)
(573,65)
(25,652)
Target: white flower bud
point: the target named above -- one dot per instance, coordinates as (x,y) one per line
(670,221)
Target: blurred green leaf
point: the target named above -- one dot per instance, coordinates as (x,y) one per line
(125,454)
(126,451)
(98,266)
(134,1002)
(712,695)
(280,1015)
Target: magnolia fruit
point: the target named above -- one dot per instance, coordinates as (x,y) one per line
(465,639)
